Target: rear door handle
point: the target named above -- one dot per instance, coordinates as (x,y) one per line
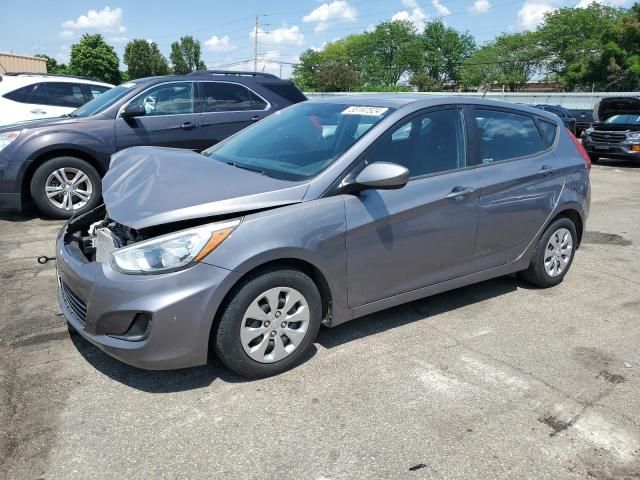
(188,126)
(546,170)
(459,192)
(255,118)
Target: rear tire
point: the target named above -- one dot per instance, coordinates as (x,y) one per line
(65,186)
(553,254)
(269,324)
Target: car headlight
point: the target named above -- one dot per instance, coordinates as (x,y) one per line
(633,136)
(7,137)
(173,251)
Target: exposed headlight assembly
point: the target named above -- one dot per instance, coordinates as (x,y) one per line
(173,251)
(7,137)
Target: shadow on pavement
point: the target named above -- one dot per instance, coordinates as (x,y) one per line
(28,213)
(417,310)
(199,377)
(611,162)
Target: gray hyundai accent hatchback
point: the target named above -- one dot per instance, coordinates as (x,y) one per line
(324,212)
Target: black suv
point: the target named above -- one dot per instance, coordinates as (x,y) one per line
(615,132)
(58,162)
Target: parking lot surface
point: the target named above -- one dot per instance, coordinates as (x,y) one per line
(495,380)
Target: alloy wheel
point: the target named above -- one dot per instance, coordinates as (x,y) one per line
(274,325)
(68,188)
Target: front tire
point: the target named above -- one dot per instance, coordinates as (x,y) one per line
(65,186)
(553,254)
(269,324)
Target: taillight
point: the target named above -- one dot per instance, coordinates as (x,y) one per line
(583,152)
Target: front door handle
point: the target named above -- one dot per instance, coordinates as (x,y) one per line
(546,170)
(188,126)
(38,111)
(255,118)
(458,193)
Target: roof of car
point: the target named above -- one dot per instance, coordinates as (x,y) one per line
(21,80)
(222,75)
(391,100)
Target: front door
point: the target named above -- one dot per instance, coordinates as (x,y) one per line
(170,119)
(519,181)
(422,234)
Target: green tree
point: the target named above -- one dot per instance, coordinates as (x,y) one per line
(185,56)
(52,64)
(335,77)
(143,59)
(387,53)
(510,60)
(445,50)
(93,57)
(575,43)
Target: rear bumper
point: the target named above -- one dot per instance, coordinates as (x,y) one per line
(181,305)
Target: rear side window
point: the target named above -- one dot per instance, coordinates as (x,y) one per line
(20,95)
(59,94)
(229,97)
(505,135)
(549,131)
(96,90)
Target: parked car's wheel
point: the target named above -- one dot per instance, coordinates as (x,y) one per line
(64,186)
(594,158)
(269,324)
(553,254)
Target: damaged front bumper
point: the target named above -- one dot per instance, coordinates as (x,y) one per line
(154,322)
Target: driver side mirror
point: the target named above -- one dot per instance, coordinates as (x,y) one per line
(132,111)
(382,176)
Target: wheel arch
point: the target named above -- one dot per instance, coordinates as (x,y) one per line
(43,157)
(573,215)
(316,275)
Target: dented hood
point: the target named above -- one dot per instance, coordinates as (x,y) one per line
(147,186)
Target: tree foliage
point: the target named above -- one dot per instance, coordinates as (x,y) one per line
(93,57)
(143,59)
(53,66)
(185,56)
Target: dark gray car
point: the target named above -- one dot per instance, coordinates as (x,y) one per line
(326,211)
(58,162)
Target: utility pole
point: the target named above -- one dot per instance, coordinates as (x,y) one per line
(255,47)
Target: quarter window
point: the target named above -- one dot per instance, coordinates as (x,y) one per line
(229,97)
(429,143)
(20,95)
(504,135)
(548,131)
(167,99)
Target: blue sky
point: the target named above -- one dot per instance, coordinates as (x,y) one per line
(225,28)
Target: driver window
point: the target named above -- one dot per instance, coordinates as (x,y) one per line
(168,99)
(431,142)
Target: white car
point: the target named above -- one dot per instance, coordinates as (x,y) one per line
(34,96)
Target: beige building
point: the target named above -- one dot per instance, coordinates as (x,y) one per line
(10,62)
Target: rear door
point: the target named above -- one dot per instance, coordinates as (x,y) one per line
(170,120)
(227,108)
(423,233)
(52,99)
(519,180)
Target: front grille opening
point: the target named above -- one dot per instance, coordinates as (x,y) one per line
(74,303)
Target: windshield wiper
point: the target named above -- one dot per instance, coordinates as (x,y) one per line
(245,167)
(70,115)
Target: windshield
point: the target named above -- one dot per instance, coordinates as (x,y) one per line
(299,142)
(103,101)
(624,119)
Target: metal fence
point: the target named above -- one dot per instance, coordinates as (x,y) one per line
(567,100)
